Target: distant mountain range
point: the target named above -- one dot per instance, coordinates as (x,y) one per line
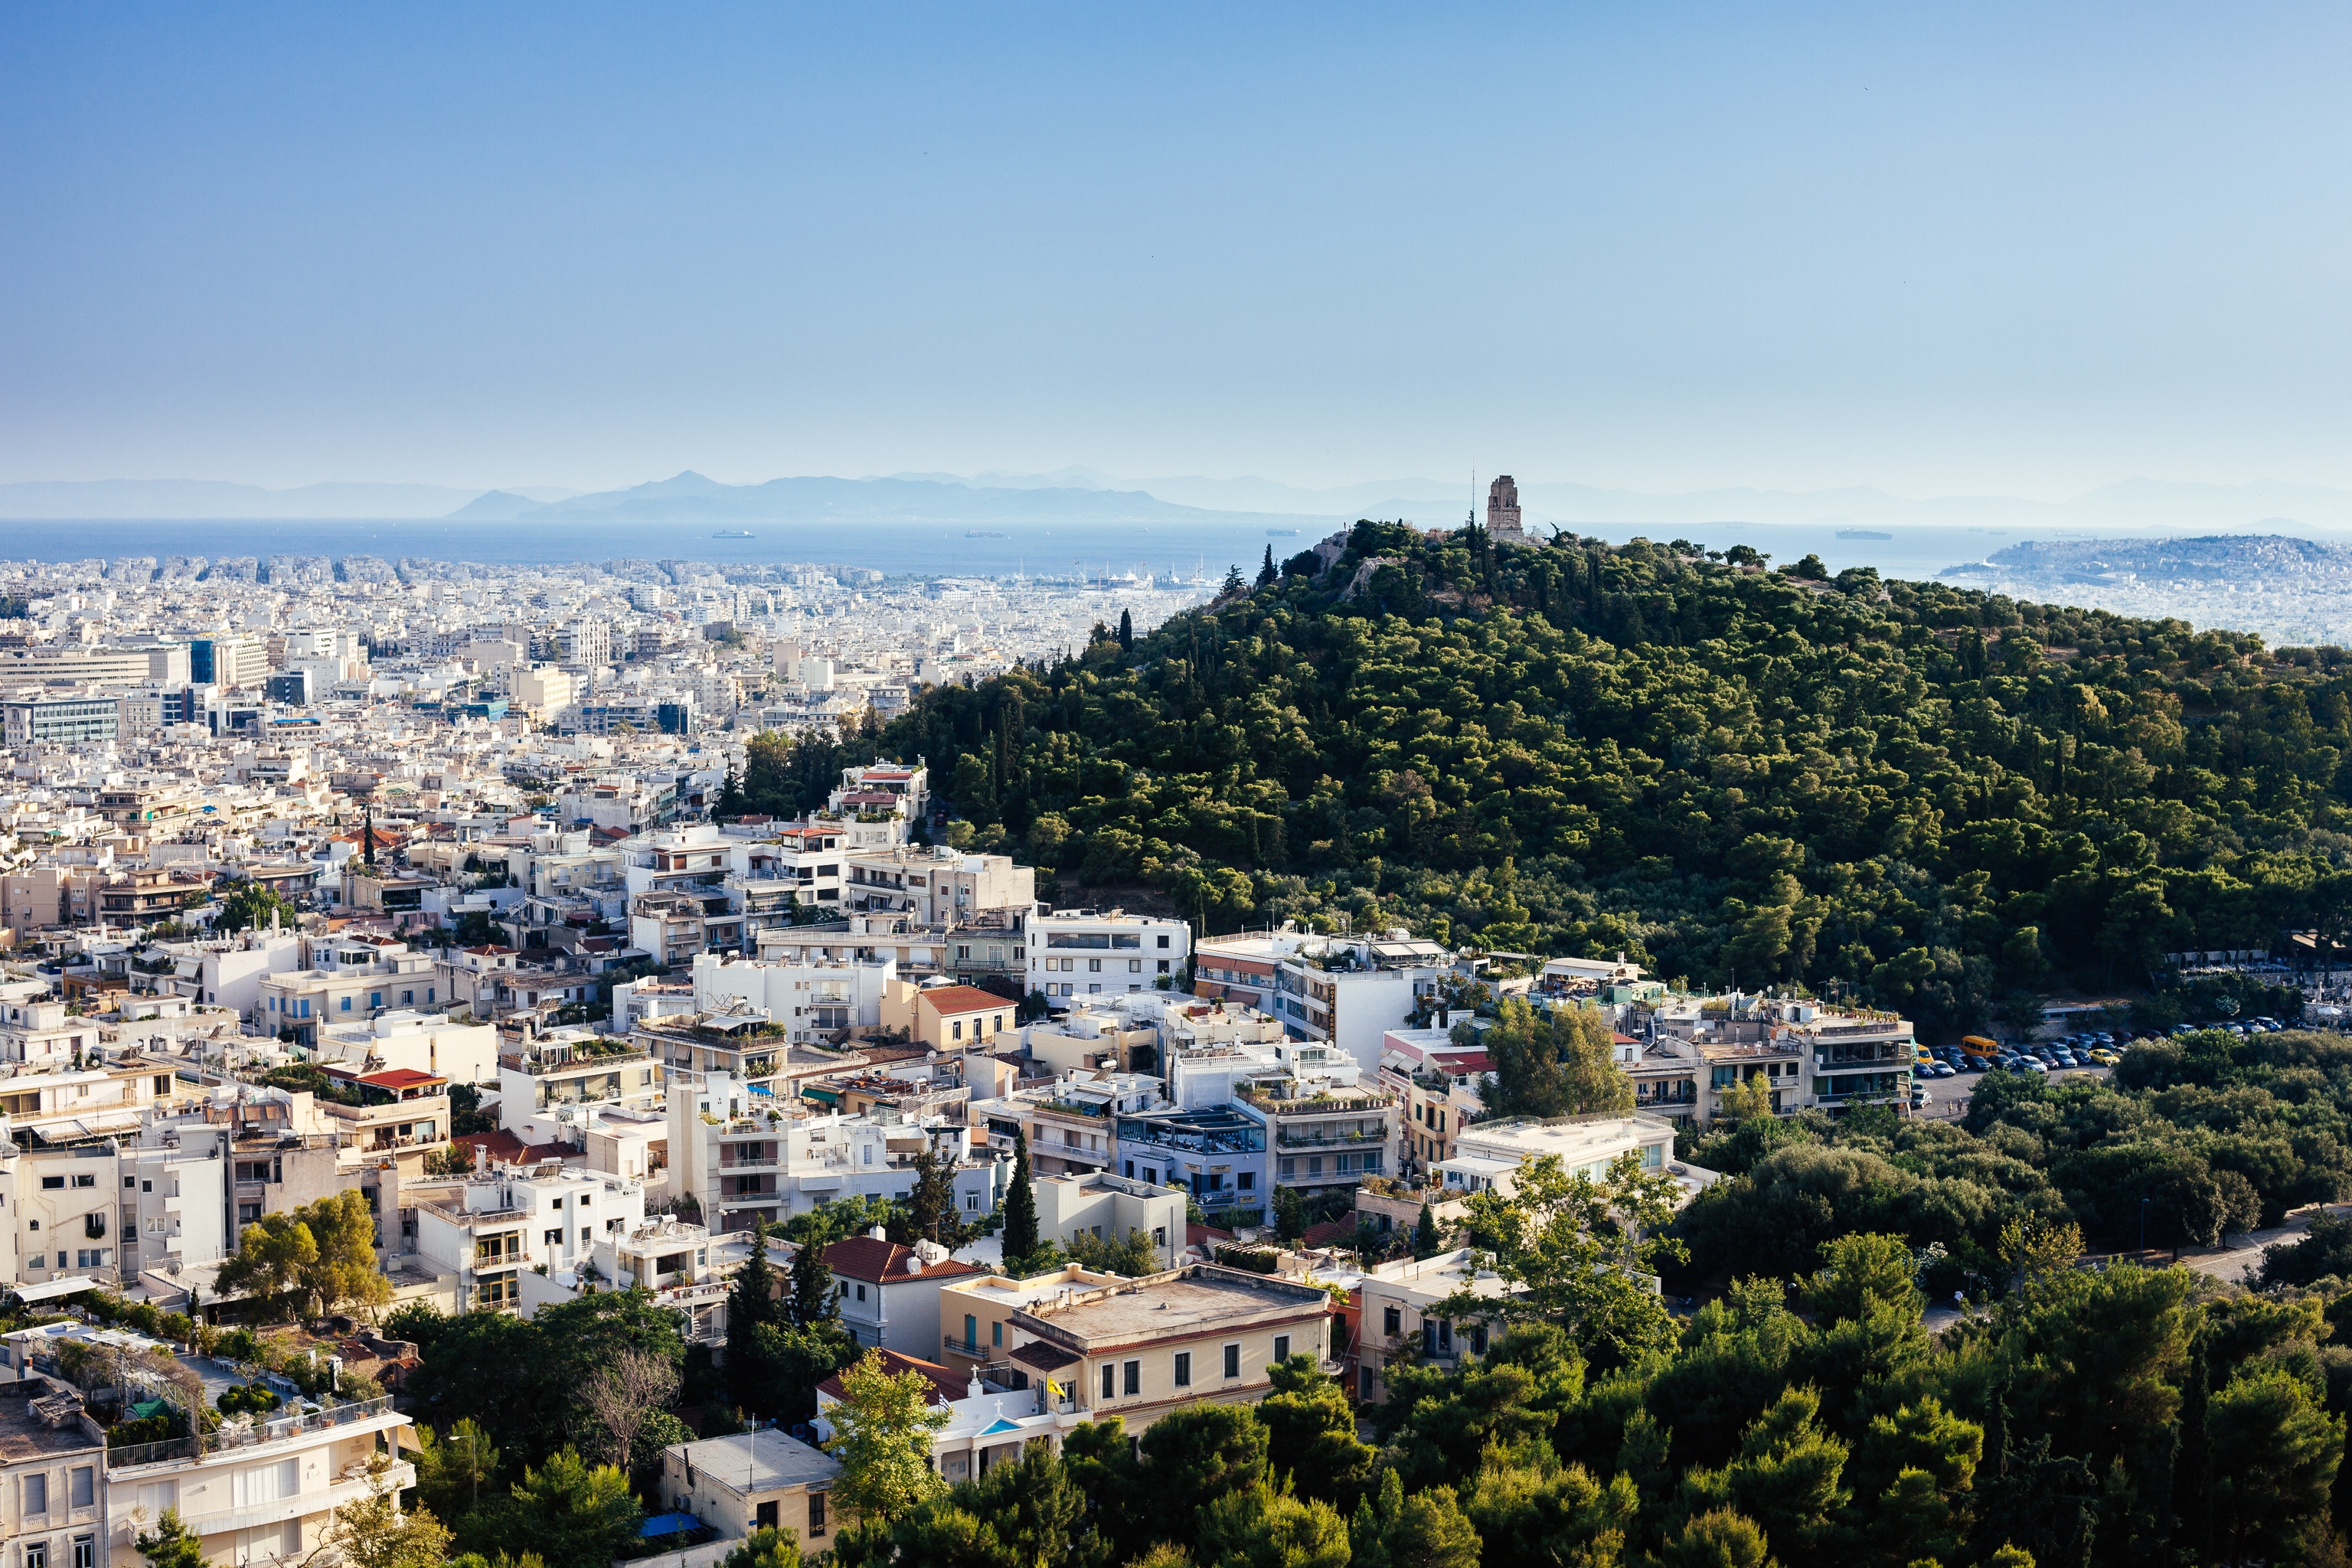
(220,499)
(1078,495)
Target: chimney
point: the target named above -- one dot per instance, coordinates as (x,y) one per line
(878,1234)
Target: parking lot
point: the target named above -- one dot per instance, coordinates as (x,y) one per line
(1955,1071)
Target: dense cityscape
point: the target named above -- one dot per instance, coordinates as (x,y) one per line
(1175,786)
(552,1031)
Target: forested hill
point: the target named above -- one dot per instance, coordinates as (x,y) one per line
(1741,774)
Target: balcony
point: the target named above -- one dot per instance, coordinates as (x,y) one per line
(281,1427)
(347,1488)
(1319,1137)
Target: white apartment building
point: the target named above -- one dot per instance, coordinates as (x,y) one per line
(494,1227)
(812,1001)
(351,982)
(106,1209)
(746,1156)
(935,885)
(1094,953)
(684,1265)
(1488,1155)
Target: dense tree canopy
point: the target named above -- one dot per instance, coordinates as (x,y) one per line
(1930,796)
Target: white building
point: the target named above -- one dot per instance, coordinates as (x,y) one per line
(492,1228)
(1094,953)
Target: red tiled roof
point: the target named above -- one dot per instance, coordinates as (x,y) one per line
(1200,1234)
(944,1382)
(501,1143)
(1328,1232)
(885,1262)
(965,999)
(401,1078)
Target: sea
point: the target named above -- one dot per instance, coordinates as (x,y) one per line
(1203,548)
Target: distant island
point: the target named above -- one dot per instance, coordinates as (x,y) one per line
(1862,533)
(2292,592)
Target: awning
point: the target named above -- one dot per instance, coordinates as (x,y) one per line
(668,1524)
(405,1437)
(73,1285)
(1037,1353)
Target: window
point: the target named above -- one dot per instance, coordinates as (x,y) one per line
(1246,1181)
(970,1331)
(1478,1339)
(1094,966)
(37,1498)
(84,1486)
(130,1183)
(1134,966)
(1233,1361)
(53,1183)
(861,1292)
(249,1214)
(85,1551)
(554,1238)
(1391,1320)
(375,998)
(587,1234)
(816,1513)
(347,1004)
(1110,1383)
(996,1332)
(36,1552)
(1134,1378)
(1281,1348)
(1183,1369)
(955,1031)
(1163,942)
(765,1516)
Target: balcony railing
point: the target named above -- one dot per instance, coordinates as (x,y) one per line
(1287,1138)
(277,1428)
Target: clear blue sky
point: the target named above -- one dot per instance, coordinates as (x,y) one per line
(1939,249)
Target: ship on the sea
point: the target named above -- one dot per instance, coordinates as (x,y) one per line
(983,533)
(734,534)
(1282,533)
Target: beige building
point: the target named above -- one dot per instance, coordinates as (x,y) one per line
(1137,1350)
(755,1480)
(948,1018)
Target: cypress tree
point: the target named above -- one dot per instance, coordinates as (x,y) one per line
(1265,574)
(1424,1233)
(751,1299)
(1126,632)
(751,1303)
(1020,1208)
(813,1298)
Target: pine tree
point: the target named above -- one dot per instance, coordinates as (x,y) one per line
(1126,632)
(813,1298)
(1265,574)
(1233,583)
(1020,1209)
(1424,1233)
